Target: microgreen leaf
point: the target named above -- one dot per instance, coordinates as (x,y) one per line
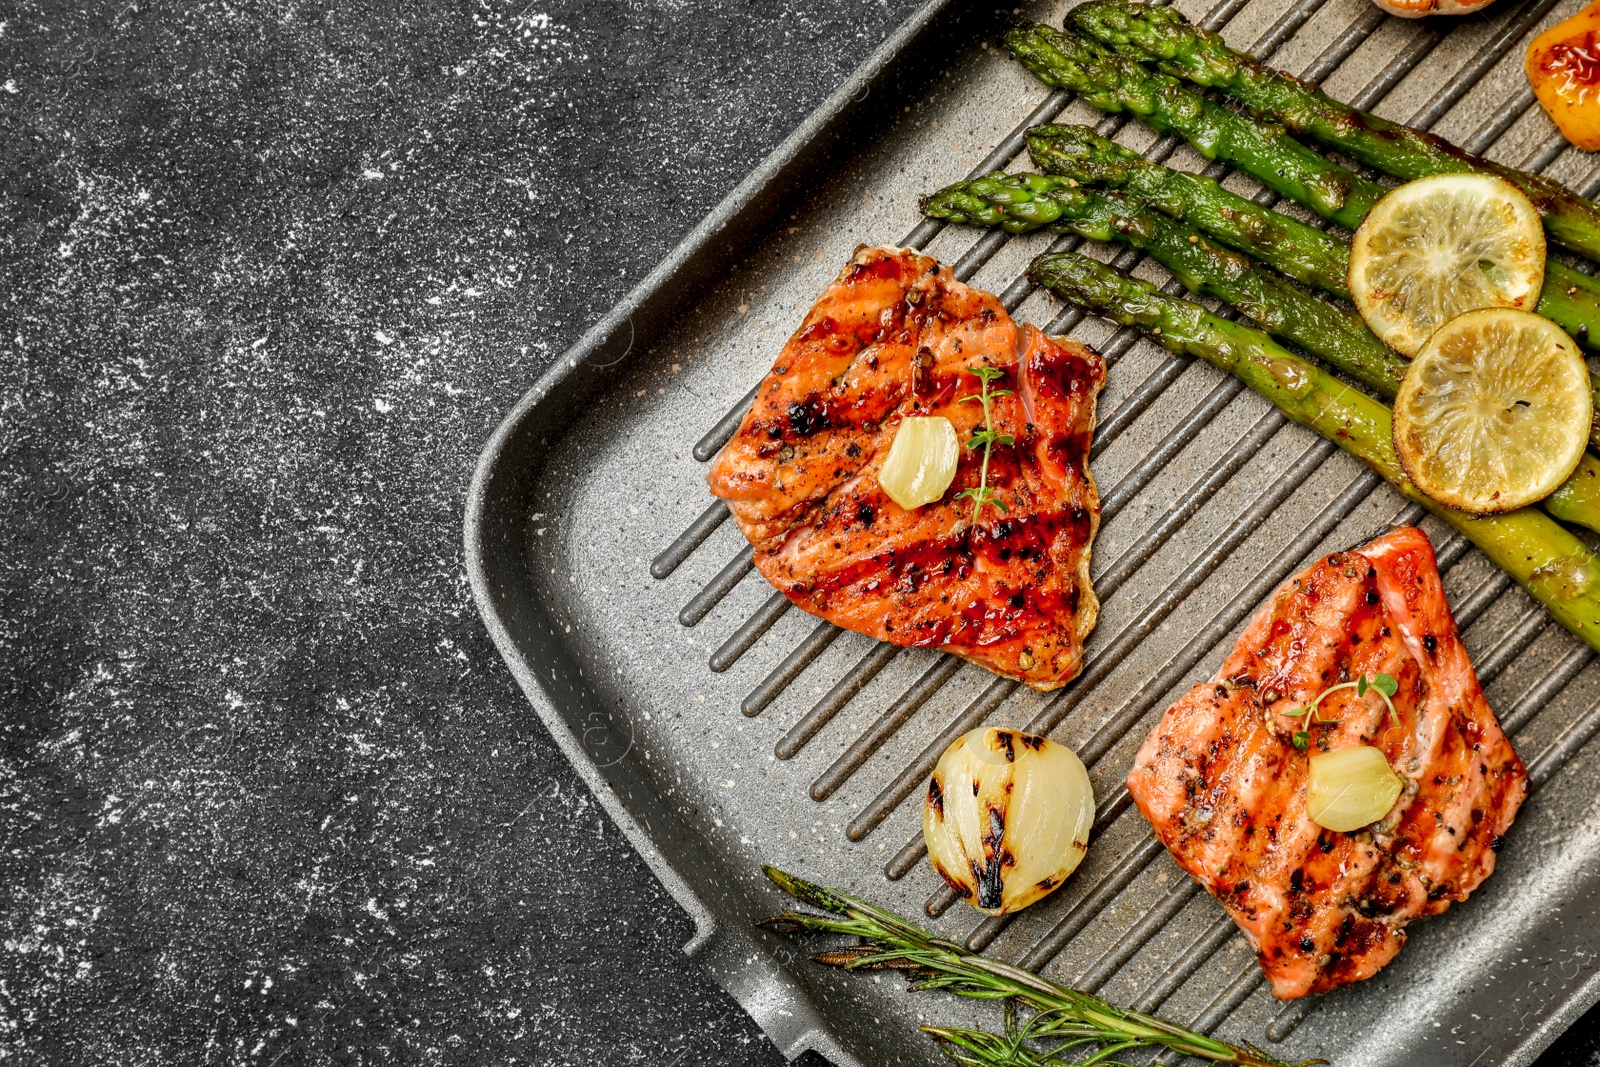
(1382,684)
(1302,740)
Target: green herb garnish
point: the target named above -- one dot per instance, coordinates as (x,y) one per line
(986,438)
(1382,684)
(1063,1020)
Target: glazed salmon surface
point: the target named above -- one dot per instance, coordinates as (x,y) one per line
(895,335)
(1222,783)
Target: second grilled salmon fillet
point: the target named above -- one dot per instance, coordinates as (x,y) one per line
(894,335)
(1222,783)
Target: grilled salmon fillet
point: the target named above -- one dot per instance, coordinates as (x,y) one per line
(895,335)
(1222,783)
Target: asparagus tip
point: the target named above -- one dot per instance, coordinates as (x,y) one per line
(1019,31)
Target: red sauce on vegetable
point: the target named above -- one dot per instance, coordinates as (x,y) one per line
(1576,65)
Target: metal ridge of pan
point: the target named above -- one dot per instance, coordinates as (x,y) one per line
(780,1003)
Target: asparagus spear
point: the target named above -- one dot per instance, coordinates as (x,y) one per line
(1031,200)
(1338,338)
(1545,558)
(1166,38)
(1260,149)
(1112,83)
(888,942)
(1303,252)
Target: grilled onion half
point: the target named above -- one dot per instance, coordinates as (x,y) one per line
(1007,817)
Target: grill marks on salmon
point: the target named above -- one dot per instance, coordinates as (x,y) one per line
(1225,789)
(894,335)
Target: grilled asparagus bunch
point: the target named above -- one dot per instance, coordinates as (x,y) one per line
(1545,558)
(1165,38)
(1260,149)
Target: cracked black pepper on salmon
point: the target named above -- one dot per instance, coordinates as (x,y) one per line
(1223,783)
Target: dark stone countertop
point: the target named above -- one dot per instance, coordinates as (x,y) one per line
(273,271)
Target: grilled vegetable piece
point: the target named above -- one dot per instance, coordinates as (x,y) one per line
(1164,37)
(1416,9)
(1113,83)
(922,461)
(1202,265)
(896,335)
(1007,817)
(1564,68)
(1545,558)
(1224,785)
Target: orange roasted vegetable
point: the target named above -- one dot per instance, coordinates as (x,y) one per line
(1416,9)
(1564,67)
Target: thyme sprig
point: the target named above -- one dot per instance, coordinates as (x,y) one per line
(1382,684)
(985,438)
(1064,1019)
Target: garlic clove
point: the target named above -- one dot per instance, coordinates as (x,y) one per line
(922,461)
(1007,817)
(1349,788)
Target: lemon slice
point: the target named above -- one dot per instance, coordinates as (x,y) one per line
(1441,246)
(1494,412)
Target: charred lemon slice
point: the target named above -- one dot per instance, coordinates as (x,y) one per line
(1441,246)
(1494,411)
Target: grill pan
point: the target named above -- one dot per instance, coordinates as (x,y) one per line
(723,728)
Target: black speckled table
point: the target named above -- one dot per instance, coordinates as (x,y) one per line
(272,272)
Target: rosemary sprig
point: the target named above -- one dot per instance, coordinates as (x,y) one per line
(1066,1017)
(1060,1037)
(1382,684)
(986,438)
